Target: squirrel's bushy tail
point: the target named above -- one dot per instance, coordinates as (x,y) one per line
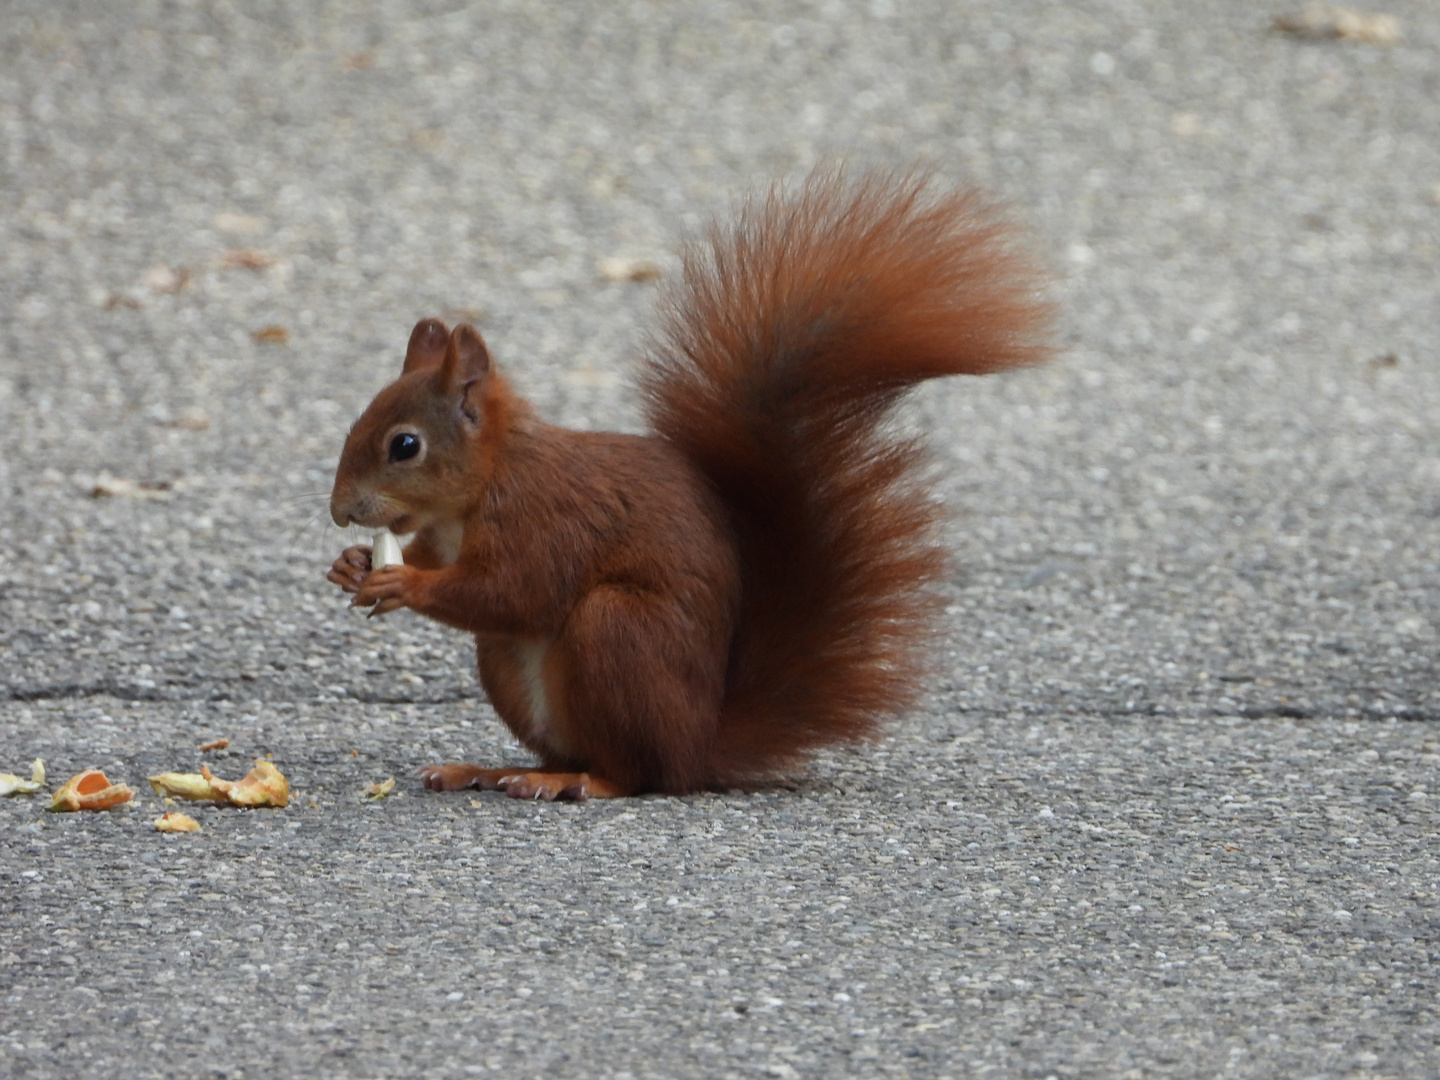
(784,349)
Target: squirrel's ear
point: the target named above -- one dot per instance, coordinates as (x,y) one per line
(427,345)
(466,357)
(467,363)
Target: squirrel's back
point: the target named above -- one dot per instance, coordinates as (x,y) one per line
(786,346)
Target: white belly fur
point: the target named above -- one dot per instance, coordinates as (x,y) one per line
(447,541)
(531,654)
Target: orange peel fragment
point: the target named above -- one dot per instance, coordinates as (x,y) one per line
(170,821)
(190,786)
(264,785)
(90,790)
(380,790)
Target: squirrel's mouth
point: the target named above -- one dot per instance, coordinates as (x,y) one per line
(370,510)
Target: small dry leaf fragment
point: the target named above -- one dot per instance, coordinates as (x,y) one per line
(619,268)
(264,785)
(271,335)
(10,784)
(170,821)
(380,790)
(247,259)
(218,744)
(1321,22)
(190,786)
(90,790)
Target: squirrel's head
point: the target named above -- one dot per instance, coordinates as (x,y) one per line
(406,460)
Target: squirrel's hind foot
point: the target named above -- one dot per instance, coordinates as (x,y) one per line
(520,783)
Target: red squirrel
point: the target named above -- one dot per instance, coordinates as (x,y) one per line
(702,606)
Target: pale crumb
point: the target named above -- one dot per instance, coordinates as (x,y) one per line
(620,268)
(1321,22)
(174,822)
(380,790)
(164,279)
(118,487)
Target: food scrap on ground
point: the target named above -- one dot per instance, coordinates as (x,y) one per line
(115,487)
(10,784)
(265,785)
(190,786)
(380,790)
(170,821)
(619,268)
(1321,22)
(90,790)
(218,744)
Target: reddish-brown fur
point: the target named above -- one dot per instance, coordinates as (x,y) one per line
(706,605)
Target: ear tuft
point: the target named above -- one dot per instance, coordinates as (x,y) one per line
(427,345)
(466,357)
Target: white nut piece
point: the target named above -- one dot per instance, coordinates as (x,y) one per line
(385,551)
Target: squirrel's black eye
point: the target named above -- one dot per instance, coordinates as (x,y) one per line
(404,446)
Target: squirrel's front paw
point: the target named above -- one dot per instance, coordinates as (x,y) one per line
(351,567)
(389,589)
